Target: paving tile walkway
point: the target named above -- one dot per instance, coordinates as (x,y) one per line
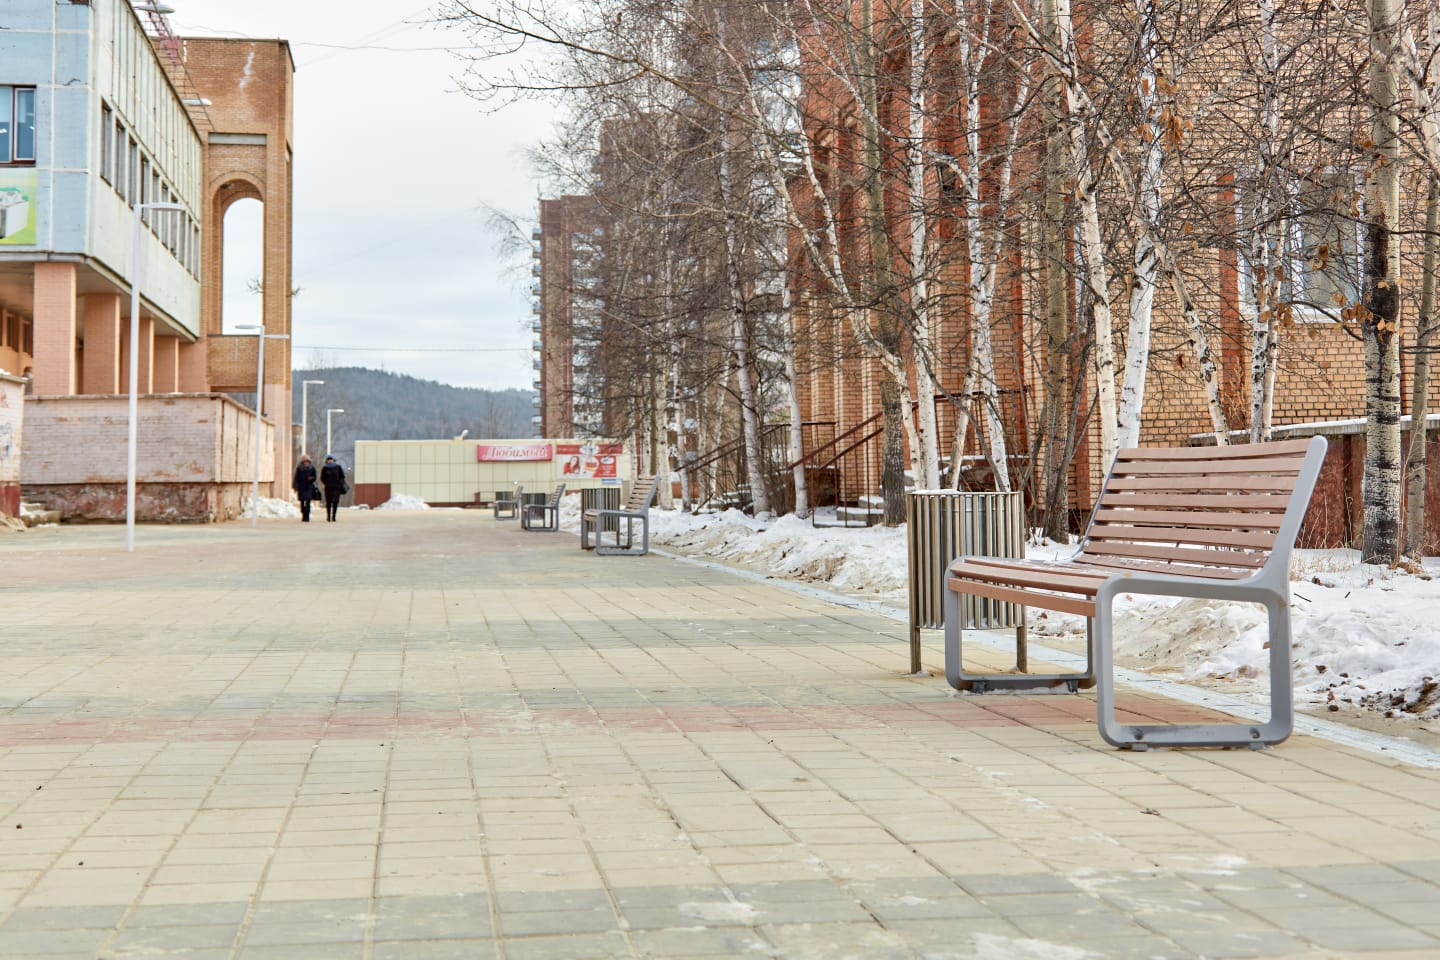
(408,736)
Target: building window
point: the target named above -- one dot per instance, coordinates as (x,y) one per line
(119,162)
(107,154)
(1317,225)
(132,195)
(17,124)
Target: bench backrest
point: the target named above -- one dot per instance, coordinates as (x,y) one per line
(1222,512)
(640,495)
(555,497)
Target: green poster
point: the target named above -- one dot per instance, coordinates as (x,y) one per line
(17,206)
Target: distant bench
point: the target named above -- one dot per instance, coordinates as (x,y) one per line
(1211,522)
(635,510)
(543,516)
(509,505)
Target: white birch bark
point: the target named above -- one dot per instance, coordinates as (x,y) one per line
(982,252)
(1381,485)
(1092,252)
(925,458)
(1264,246)
(797,426)
(1145,263)
(1199,343)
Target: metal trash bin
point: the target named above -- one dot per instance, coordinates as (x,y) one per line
(607,497)
(941,525)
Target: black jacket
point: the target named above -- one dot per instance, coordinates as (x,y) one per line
(332,478)
(304,483)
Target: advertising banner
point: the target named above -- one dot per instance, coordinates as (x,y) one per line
(510,452)
(17,206)
(587,461)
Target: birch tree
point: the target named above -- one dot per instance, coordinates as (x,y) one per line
(1381,320)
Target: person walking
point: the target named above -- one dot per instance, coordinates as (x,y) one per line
(332,478)
(305,486)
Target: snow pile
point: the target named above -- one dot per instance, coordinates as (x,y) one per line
(1366,637)
(403,501)
(272,508)
(865,560)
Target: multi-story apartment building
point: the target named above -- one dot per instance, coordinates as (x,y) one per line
(101,121)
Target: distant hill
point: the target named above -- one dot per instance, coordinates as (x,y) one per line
(389,406)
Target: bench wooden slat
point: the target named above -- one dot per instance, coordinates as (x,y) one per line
(1193,468)
(1189,536)
(1045,576)
(1065,604)
(1256,503)
(1202,518)
(1113,565)
(1197,557)
(1207,484)
(1234,451)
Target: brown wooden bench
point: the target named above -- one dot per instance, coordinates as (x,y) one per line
(543,516)
(1209,522)
(636,509)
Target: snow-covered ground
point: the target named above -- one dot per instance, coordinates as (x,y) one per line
(1366,637)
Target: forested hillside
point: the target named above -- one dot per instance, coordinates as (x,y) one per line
(380,405)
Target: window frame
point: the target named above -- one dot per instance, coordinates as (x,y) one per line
(1296,238)
(11,93)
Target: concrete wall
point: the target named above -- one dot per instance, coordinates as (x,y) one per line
(12,416)
(194,456)
(449,471)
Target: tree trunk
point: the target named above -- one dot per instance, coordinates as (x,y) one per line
(1415,455)
(926,458)
(1058,413)
(1146,261)
(1381,321)
(797,426)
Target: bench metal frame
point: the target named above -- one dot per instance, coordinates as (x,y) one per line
(510,506)
(1268,585)
(636,509)
(543,517)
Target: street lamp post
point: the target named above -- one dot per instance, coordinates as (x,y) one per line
(305,413)
(135,263)
(332,410)
(260,338)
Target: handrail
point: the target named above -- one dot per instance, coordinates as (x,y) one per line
(808,459)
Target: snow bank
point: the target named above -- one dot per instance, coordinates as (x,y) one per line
(403,501)
(272,508)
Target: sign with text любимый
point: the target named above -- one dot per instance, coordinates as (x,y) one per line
(587,461)
(511,452)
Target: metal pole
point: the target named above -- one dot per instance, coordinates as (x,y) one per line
(130,451)
(134,376)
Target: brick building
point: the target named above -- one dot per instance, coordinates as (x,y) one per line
(1320,378)
(105,114)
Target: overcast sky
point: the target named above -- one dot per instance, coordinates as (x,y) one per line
(393,171)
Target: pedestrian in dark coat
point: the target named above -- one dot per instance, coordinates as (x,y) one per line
(305,486)
(332,478)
